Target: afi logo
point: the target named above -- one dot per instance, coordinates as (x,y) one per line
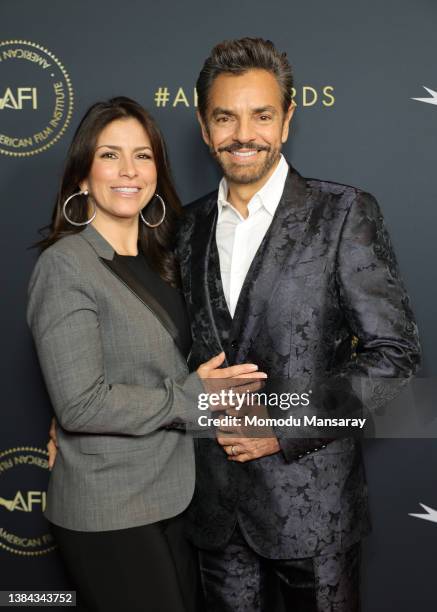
(17,99)
(25,502)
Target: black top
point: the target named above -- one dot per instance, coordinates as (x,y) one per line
(169,298)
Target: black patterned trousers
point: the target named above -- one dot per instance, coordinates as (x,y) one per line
(235,579)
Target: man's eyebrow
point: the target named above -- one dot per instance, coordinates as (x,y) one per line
(255,111)
(116,148)
(222,111)
(265,109)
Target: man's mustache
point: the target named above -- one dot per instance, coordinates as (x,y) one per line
(235,146)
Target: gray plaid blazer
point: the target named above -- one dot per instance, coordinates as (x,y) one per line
(116,378)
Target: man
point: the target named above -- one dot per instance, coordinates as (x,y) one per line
(284,272)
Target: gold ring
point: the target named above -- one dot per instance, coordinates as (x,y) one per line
(233,451)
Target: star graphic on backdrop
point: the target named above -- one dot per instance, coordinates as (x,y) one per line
(430,515)
(431,100)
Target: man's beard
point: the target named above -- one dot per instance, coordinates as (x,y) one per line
(246,175)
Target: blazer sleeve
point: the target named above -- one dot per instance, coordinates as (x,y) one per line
(374,299)
(377,310)
(62,315)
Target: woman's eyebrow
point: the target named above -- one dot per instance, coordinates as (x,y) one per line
(116,148)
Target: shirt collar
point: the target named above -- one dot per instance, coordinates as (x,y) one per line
(268,196)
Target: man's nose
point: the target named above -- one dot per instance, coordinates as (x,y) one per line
(244,131)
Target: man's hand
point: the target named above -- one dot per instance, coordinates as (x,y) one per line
(244,443)
(52,445)
(246,449)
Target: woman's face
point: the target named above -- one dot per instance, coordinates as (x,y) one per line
(123,176)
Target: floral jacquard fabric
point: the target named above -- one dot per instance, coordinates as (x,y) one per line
(324,274)
(235,579)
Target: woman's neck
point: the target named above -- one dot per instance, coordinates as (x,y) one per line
(122,234)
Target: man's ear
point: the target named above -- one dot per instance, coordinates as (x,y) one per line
(287,120)
(205,133)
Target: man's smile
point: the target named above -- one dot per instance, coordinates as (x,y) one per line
(244,153)
(243,156)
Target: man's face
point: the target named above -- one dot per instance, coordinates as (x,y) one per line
(245,125)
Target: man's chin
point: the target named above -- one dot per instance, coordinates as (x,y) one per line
(244,175)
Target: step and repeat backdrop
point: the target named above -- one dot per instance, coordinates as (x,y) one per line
(366,95)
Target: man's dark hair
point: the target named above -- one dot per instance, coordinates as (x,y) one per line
(239,56)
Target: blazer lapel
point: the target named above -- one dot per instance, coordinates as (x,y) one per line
(281,241)
(120,269)
(113,262)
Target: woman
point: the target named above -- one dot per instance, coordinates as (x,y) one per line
(112,338)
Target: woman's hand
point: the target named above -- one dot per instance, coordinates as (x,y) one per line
(212,369)
(52,445)
(216,379)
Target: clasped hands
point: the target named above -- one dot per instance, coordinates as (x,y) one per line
(240,442)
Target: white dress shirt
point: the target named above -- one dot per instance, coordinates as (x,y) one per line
(238,239)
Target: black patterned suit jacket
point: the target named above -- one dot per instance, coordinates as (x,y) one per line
(324,273)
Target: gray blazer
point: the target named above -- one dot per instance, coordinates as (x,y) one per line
(116,379)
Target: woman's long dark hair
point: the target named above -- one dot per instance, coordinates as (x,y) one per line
(156,243)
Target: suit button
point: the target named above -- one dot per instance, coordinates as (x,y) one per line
(234,344)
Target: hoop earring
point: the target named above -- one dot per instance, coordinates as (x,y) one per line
(64,210)
(163,213)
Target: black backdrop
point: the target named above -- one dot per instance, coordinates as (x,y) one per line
(357,67)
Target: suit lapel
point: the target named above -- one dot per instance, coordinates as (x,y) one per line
(279,245)
(113,262)
(210,311)
(219,308)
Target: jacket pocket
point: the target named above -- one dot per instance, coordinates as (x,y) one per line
(307,268)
